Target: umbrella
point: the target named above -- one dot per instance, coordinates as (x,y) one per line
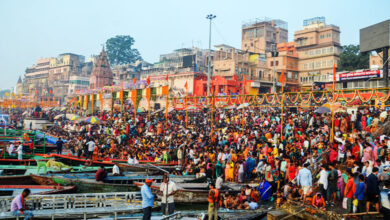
(59,116)
(322,110)
(92,120)
(74,117)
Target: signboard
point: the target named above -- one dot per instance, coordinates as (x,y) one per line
(374,37)
(359,75)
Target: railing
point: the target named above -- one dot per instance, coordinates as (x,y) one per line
(75,201)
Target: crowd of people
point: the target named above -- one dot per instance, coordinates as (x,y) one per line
(306,164)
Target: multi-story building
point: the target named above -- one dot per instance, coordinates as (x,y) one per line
(61,68)
(36,77)
(179,61)
(287,61)
(128,72)
(78,84)
(258,35)
(318,48)
(376,61)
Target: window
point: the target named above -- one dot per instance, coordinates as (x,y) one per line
(276,63)
(305,66)
(328,35)
(323,50)
(321,36)
(272,63)
(318,51)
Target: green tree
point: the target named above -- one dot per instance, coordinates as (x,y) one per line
(120,51)
(352,59)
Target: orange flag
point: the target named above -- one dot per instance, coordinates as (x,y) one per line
(166,77)
(282,78)
(334,72)
(186,85)
(148,80)
(134,80)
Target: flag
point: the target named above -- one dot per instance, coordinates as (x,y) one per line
(148,80)
(282,79)
(334,72)
(186,85)
(166,77)
(243,84)
(51,91)
(134,80)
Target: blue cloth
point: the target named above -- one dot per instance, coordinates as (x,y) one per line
(147,196)
(251,165)
(27,214)
(372,184)
(304,177)
(359,194)
(265,190)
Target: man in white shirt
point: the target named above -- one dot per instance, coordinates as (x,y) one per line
(116,171)
(170,191)
(219,182)
(20,151)
(91,147)
(11,149)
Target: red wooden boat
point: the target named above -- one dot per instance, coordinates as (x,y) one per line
(6,190)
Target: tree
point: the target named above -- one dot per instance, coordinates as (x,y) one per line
(119,50)
(352,59)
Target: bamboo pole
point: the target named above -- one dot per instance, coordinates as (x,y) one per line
(281,116)
(333,101)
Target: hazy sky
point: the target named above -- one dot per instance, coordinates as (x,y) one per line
(32,29)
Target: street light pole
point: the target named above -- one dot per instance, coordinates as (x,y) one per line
(274,77)
(210,17)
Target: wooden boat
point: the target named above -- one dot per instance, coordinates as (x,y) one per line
(87,185)
(7,190)
(25,162)
(25,180)
(73,160)
(127,178)
(26,170)
(144,167)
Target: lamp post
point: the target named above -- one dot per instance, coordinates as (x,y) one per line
(274,54)
(210,17)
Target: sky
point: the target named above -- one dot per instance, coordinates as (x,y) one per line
(46,28)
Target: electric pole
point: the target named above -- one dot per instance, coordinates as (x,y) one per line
(274,54)
(210,17)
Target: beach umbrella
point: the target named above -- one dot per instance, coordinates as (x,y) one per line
(322,110)
(74,117)
(92,120)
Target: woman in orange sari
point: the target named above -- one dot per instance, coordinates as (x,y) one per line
(95,153)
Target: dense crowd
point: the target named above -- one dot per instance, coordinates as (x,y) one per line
(304,164)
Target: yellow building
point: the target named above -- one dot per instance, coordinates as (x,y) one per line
(318,48)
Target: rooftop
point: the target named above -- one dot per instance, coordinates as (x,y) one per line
(275,22)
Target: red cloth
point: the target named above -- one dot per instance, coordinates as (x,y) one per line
(349,189)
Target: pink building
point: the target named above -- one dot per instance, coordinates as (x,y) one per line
(101,73)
